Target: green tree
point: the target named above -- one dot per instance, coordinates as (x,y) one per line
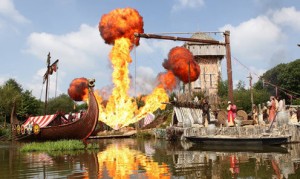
(29,106)
(62,103)
(259,85)
(223,88)
(81,106)
(13,97)
(10,95)
(242,98)
(286,78)
(241,85)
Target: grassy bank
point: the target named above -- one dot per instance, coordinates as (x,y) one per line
(61,145)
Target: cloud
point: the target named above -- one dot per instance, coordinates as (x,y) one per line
(76,49)
(80,54)
(162,47)
(187,4)
(8,10)
(39,89)
(287,17)
(84,50)
(255,40)
(260,43)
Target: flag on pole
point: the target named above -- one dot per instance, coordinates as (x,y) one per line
(50,70)
(54,67)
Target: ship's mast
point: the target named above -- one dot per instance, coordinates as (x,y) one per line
(47,82)
(46,78)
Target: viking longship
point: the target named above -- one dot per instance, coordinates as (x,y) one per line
(60,126)
(46,128)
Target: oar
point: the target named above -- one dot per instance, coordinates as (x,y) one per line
(269,130)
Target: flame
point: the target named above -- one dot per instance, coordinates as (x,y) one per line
(78,89)
(168,80)
(120,161)
(121,23)
(181,62)
(118,28)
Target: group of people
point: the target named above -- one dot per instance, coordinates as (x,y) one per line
(231,112)
(275,106)
(269,111)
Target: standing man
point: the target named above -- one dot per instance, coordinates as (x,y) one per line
(206,113)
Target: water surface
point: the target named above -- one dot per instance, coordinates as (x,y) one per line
(131,158)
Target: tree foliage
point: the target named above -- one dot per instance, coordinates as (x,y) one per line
(29,105)
(10,95)
(242,96)
(286,78)
(62,103)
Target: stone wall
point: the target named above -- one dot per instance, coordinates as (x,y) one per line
(292,130)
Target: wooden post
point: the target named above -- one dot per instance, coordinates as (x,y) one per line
(12,115)
(189,81)
(251,91)
(47,82)
(229,69)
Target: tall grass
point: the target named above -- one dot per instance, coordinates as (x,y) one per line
(61,145)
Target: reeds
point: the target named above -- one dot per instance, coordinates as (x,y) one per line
(61,145)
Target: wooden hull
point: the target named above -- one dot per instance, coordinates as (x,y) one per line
(79,129)
(240,148)
(246,141)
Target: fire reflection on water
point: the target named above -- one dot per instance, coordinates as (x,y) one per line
(120,158)
(120,161)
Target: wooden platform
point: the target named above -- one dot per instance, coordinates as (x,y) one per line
(110,136)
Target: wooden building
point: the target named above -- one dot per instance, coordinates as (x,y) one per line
(209,57)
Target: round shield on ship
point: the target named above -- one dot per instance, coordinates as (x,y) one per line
(18,129)
(36,129)
(22,130)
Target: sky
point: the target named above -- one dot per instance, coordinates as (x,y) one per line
(263,34)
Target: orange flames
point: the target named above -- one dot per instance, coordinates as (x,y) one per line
(78,89)
(168,80)
(118,28)
(181,62)
(121,23)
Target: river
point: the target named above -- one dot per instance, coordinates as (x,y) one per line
(132,158)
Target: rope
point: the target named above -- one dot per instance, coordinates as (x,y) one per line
(48,87)
(56,81)
(134,52)
(41,91)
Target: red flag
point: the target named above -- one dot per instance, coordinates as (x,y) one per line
(54,67)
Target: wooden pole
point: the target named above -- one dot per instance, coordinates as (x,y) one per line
(12,124)
(189,81)
(47,82)
(154,36)
(229,69)
(251,91)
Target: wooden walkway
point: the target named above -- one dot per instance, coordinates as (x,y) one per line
(109,136)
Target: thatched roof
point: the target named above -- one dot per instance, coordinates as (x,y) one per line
(199,35)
